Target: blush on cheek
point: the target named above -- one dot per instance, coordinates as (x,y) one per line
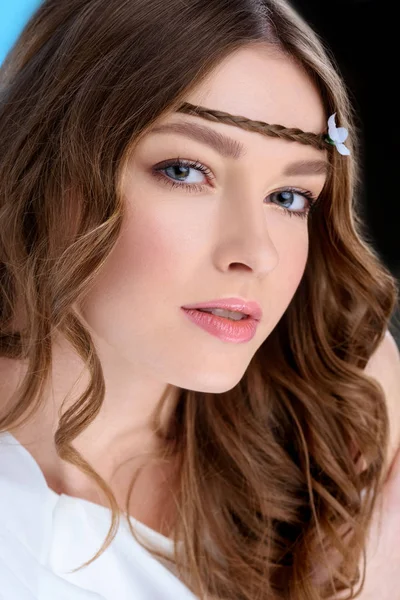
(135,282)
(296,270)
(290,272)
(147,252)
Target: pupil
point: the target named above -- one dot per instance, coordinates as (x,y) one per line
(179,168)
(287,197)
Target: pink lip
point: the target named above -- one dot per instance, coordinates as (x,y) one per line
(248,307)
(223,328)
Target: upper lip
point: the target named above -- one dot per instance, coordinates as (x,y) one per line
(248,307)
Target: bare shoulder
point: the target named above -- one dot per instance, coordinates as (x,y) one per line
(384,366)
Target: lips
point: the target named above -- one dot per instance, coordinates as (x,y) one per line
(247,307)
(227,330)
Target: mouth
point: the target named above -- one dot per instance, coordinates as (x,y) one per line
(232,308)
(227,314)
(228,326)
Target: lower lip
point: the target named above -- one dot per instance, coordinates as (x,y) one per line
(223,328)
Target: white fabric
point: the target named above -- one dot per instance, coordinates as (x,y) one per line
(43,535)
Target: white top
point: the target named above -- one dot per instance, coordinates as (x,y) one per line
(43,535)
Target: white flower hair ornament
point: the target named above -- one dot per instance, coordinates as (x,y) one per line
(337,136)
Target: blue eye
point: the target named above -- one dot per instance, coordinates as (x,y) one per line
(179,168)
(290,197)
(185,166)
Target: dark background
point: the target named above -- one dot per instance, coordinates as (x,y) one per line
(364,37)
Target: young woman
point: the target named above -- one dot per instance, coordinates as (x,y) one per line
(198,384)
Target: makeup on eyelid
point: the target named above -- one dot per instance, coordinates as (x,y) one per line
(198,166)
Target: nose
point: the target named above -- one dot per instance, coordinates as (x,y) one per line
(245,236)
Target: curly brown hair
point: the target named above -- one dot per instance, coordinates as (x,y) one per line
(279,487)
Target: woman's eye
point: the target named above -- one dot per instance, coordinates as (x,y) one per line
(295,202)
(183,173)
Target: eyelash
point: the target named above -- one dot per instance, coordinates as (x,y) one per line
(193,187)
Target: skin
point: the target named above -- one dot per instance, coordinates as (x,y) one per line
(178,248)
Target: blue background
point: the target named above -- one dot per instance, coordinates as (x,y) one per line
(14,14)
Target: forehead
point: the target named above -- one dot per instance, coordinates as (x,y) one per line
(261,83)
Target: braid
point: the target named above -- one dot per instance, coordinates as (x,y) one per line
(319,141)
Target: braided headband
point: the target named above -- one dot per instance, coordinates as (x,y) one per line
(322,141)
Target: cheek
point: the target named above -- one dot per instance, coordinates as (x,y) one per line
(132,293)
(143,264)
(148,250)
(294,259)
(292,248)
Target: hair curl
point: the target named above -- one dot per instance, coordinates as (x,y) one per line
(267,484)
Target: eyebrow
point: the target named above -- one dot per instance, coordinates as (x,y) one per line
(308,167)
(231,148)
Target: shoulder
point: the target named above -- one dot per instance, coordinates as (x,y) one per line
(386,356)
(384,367)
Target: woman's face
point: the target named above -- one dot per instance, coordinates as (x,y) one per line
(191,236)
